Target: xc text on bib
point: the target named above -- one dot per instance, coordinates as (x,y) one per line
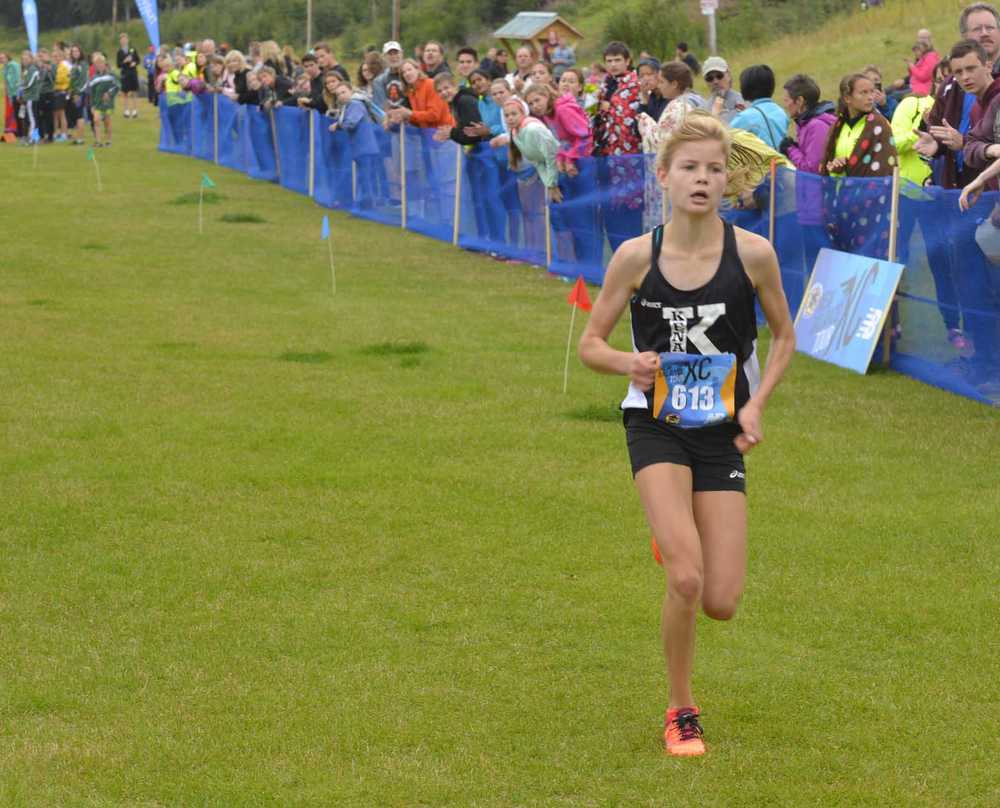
(693,391)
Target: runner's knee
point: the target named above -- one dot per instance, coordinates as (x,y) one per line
(720,607)
(685,584)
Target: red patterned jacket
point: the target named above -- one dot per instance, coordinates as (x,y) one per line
(617,130)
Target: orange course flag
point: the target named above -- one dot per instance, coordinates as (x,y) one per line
(579,297)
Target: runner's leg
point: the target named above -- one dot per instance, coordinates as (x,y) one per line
(721,519)
(665,491)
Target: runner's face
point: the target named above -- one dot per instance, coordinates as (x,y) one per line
(616,65)
(569,82)
(982,27)
(972,75)
(696,177)
(861,100)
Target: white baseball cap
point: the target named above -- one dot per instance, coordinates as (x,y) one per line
(392,45)
(714,64)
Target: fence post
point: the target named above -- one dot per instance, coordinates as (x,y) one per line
(274,139)
(402,173)
(893,227)
(311,117)
(457,217)
(215,126)
(548,231)
(770,218)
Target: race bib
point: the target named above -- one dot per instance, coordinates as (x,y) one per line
(693,391)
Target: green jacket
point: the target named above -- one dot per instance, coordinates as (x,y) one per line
(47,79)
(103,89)
(905,120)
(78,78)
(31,86)
(12,78)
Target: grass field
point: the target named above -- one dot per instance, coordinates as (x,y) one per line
(265,547)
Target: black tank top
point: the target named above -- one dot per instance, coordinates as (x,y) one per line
(719,317)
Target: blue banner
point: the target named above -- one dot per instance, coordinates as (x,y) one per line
(845,307)
(31,23)
(151,18)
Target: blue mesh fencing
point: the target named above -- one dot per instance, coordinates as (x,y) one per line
(944,324)
(203,127)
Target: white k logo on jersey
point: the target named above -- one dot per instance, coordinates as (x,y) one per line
(680,334)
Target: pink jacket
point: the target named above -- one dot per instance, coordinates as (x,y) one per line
(922,73)
(571,125)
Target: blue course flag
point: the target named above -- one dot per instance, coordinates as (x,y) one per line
(325,232)
(90,154)
(206,182)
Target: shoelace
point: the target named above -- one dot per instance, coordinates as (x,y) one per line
(688,726)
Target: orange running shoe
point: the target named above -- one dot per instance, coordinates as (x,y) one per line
(682,732)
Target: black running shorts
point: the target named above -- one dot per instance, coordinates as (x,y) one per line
(715,462)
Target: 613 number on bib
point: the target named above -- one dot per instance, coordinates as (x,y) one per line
(693,391)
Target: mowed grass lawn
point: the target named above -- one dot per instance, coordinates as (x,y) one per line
(265,547)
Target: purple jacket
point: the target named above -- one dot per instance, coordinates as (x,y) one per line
(813,128)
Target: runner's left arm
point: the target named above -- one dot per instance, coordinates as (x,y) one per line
(762,266)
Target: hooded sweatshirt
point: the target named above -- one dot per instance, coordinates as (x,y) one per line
(813,126)
(984,132)
(571,125)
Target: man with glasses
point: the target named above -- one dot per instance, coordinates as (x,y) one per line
(724,102)
(980,22)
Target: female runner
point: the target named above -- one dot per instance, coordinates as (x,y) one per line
(696,399)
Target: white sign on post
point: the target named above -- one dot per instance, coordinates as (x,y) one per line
(708,7)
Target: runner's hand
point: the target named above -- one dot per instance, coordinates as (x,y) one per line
(642,369)
(749,419)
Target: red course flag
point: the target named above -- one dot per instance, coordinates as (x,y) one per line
(579,297)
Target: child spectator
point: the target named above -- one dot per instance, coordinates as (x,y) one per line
(29,92)
(531,140)
(60,95)
(469,130)
(46,91)
(78,78)
(103,88)
(574,221)
(353,118)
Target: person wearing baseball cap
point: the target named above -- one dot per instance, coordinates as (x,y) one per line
(387,87)
(724,101)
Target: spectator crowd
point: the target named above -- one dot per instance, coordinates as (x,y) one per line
(544,115)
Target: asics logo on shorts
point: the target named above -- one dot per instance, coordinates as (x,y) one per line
(737,475)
